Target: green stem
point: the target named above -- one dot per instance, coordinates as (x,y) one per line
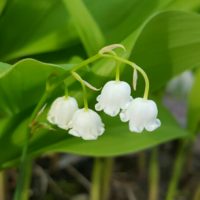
(154,175)
(2,185)
(95,193)
(21,192)
(66,92)
(37,108)
(75,68)
(117,77)
(26,163)
(197,193)
(108,167)
(85,96)
(22,189)
(101,178)
(66,89)
(134,66)
(78,78)
(86,62)
(178,166)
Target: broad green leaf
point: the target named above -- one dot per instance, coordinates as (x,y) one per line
(161,36)
(194,104)
(119,18)
(57,141)
(23,32)
(19,85)
(22,84)
(34,26)
(168,45)
(88,30)
(116,23)
(117,140)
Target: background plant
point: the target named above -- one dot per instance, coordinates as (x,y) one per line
(43,39)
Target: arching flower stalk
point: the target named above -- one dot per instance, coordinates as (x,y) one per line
(141,113)
(115,98)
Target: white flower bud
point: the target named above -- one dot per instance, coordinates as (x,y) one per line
(86,124)
(114,96)
(141,114)
(62,111)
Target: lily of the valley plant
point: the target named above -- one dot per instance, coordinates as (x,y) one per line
(115,99)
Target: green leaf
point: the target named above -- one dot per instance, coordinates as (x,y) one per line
(88,30)
(165,46)
(119,18)
(168,45)
(194,104)
(117,140)
(161,36)
(22,84)
(29,27)
(23,32)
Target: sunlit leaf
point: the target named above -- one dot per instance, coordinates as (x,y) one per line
(168,45)
(29,27)
(110,144)
(23,84)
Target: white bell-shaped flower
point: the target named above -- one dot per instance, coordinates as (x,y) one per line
(86,124)
(62,111)
(114,96)
(141,114)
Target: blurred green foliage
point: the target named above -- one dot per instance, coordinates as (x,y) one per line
(162,36)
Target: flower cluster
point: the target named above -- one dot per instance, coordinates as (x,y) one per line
(84,123)
(115,99)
